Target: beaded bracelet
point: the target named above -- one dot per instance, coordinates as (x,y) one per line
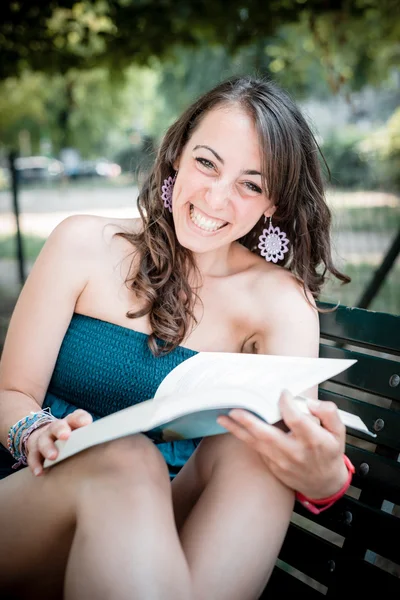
(19,433)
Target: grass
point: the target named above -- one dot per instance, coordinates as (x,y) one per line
(126,179)
(31,246)
(369,219)
(7,303)
(388,297)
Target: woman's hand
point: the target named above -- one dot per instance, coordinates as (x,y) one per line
(41,443)
(308,459)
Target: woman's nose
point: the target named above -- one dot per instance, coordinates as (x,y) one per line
(218,195)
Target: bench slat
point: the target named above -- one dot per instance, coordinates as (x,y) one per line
(375,472)
(322,552)
(379,331)
(388,436)
(372,528)
(329,562)
(369,374)
(360,579)
(280,582)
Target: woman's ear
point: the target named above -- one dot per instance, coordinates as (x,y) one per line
(270,211)
(176,163)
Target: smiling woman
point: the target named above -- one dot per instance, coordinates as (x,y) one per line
(240,154)
(225,197)
(110,307)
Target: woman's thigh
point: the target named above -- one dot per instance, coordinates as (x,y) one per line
(38,514)
(235,527)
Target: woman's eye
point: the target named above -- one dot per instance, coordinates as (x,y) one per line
(253,187)
(205,163)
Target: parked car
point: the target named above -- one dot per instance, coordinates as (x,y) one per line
(38,168)
(97,168)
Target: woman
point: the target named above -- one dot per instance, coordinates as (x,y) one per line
(111,306)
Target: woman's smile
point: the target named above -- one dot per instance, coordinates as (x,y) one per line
(201,223)
(205,222)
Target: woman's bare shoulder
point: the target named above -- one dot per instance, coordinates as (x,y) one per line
(84,234)
(285,314)
(279,292)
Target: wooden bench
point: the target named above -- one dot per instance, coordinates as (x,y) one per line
(352,550)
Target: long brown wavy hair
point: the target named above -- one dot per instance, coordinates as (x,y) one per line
(294,183)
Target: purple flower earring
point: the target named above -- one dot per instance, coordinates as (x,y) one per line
(273,243)
(166,191)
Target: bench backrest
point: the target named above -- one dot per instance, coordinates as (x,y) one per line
(353,548)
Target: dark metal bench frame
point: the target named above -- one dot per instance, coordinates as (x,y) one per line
(353,548)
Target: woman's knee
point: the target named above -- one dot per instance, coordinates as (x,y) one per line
(227,456)
(128,457)
(227,449)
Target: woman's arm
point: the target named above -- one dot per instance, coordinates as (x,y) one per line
(310,458)
(289,324)
(40,319)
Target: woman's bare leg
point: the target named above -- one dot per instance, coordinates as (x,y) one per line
(108,514)
(135,545)
(102,520)
(235,529)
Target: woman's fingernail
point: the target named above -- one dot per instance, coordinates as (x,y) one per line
(313,403)
(37,471)
(236,413)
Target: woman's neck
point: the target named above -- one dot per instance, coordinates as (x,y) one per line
(216,263)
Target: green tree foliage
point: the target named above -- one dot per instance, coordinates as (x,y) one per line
(355,39)
(23,107)
(382,148)
(83,109)
(66,72)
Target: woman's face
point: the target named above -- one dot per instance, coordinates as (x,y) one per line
(218,195)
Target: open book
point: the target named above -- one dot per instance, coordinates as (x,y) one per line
(189,400)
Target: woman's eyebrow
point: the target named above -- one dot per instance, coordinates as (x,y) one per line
(251,172)
(217,156)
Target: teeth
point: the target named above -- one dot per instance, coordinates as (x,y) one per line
(203,222)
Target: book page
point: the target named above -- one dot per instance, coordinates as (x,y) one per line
(219,400)
(261,379)
(134,419)
(263,375)
(185,417)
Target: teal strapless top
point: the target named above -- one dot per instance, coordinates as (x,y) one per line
(103,367)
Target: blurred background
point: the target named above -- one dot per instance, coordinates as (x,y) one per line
(87,88)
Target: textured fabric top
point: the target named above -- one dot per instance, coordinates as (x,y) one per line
(103,367)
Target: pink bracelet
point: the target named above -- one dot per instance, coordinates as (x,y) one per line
(325,503)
